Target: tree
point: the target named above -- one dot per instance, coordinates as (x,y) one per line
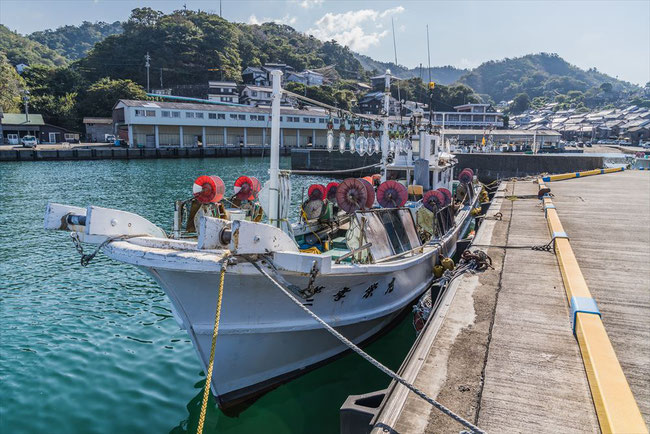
(606,87)
(520,103)
(101,96)
(10,86)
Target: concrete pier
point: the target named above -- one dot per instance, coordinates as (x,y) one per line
(501,352)
(51,153)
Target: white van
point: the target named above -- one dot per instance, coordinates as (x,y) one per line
(13,139)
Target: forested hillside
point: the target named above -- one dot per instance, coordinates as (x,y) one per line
(540,75)
(73,42)
(19,49)
(192,47)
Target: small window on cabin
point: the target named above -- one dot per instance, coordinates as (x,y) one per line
(150,113)
(139,112)
(165,113)
(241,117)
(176,114)
(189,114)
(199,115)
(221,116)
(212,115)
(233,116)
(261,117)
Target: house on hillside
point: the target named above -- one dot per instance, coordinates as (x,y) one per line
(261,96)
(307,77)
(373,104)
(255,76)
(223,91)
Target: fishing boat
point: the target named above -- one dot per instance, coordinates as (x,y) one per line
(361,253)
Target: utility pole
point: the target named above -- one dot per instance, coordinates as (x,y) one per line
(220,16)
(26,101)
(161,82)
(147,64)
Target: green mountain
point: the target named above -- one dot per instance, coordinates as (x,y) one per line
(188,47)
(73,42)
(19,49)
(540,75)
(439,74)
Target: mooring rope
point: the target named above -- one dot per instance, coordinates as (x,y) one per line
(215,332)
(326,172)
(367,357)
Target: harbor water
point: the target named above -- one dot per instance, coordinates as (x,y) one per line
(96,349)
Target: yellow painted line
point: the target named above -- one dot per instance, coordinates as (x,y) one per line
(616,407)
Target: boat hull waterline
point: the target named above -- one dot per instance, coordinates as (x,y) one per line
(264,338)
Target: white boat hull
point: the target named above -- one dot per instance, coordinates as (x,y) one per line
(264,338)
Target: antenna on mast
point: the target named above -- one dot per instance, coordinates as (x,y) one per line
(430,89)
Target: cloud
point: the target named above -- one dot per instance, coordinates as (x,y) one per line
(287,19)
(352,28)
(307,4)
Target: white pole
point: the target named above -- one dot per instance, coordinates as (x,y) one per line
(442,134)
(274,171)
(384,138)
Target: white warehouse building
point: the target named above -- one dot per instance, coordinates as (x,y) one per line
(156,124)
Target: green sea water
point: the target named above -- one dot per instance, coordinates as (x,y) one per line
(96,350)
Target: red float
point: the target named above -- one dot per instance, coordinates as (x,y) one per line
(208,189)
(316,192)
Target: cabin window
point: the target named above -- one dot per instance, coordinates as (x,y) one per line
(233,116)
(189,114)
(165,113)
(150,113)
(221,116)
(139,113)
(199,115)
(241,117)
(212,115)
(176,114)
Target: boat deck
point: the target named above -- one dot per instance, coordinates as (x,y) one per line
(501,352)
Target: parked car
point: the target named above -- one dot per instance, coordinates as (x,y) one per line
(29,141)
(109,138)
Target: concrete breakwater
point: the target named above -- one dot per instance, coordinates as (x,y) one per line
(115,153)
(488,167)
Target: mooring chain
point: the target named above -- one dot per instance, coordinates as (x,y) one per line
(367,357)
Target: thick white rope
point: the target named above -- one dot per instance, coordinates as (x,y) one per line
(366,356)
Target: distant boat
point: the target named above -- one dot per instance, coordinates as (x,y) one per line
(357,258)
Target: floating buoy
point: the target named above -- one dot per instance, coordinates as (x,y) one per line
(316,192)
(433,199)
(247,188)
(370,190)
(208,189)
(351,195)
(391,194)
(447,195)
(438,270)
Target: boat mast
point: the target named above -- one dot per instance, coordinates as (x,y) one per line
(274,171)
(384,138)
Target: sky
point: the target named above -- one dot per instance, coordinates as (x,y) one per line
(612,36)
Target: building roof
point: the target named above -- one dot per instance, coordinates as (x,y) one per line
(457,107)
(90,120)
(19,119)
(218,108)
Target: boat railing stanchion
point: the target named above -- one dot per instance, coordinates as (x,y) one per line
(274,171)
